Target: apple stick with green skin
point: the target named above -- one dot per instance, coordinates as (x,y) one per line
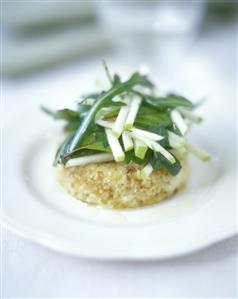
(189,115)
(146,171)
(145,134)
(98,158)
(119,123)
(134,107)
(201,154)
(158,148)
(140,148)
(115,146)
(176,141)
(179,122)
(155,147)
(127,141)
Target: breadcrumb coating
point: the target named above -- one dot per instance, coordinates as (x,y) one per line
(118,185)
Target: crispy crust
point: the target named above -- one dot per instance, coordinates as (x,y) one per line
(118,185)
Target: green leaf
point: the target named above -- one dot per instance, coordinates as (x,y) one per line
(65,114)
(171,168)
(146,121)
(96,146)
(130,157)
(100,136)
(180,100)
(169,101)
(103,101)
(94,95)
(83,107)
(148,116)
(116,80)
(107,72)
(61,151)
(96,141)
(154,161)
(117,104)
(174,129)
(142,80)
(71,126)
(160,130)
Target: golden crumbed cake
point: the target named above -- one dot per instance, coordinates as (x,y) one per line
(118,185)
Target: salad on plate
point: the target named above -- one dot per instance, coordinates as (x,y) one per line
(126,146)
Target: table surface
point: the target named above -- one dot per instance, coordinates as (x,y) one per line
(31,271)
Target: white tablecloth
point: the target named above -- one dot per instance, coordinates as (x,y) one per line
(30,270)
(33,271)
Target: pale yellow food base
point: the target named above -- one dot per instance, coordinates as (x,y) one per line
(118,185)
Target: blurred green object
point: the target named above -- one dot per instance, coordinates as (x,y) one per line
(35,16)
(41,34)
(52,49)
(225,10)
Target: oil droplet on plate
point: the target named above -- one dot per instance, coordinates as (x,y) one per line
(119,218)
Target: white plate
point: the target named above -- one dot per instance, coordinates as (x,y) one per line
(35,207)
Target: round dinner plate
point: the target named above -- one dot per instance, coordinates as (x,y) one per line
(36,207)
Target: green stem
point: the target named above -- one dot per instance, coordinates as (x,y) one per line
(83,129)
(107,72)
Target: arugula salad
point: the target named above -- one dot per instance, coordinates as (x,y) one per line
(130,122)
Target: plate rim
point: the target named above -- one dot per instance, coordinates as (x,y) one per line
(204,242)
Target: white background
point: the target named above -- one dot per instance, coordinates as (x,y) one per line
(30,270)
